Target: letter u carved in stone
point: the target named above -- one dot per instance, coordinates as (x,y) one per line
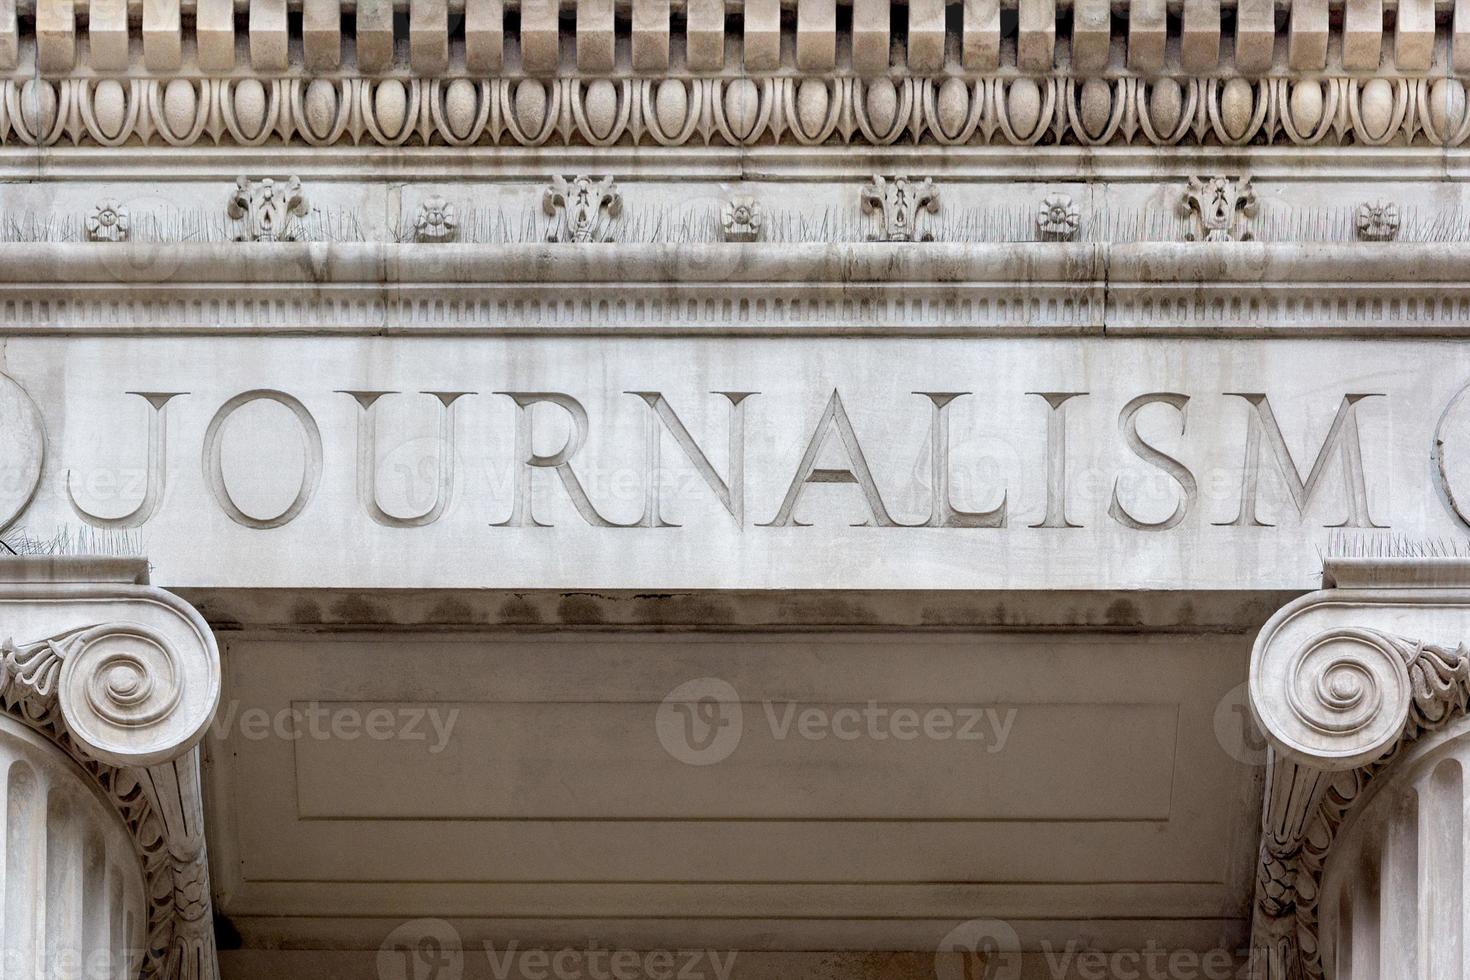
(367,456)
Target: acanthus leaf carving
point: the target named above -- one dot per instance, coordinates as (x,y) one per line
(897,203)
(267,210)
(581,208)
(1217,206)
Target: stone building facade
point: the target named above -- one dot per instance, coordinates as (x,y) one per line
(734,488)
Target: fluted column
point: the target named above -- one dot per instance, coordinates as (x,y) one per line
(72,899)
(1393,893)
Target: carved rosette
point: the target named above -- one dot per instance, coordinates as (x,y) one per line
(128,701)
(1336,710)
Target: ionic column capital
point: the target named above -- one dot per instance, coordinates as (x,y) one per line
(1340,680)
(132,671)
(124,678)
(1344,696)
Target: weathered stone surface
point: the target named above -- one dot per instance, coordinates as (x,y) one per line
(285,467)
(586,386)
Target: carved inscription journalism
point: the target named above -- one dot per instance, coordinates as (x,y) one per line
(1056,458)
(830,447)
(944,513)
(730,491)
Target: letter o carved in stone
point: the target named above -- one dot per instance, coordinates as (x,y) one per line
(214,476)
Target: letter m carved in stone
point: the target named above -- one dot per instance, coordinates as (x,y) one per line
(1342,439)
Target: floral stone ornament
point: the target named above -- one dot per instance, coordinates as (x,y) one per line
(1217,205)
(267,210)
(435,221)
(1057,218)
(897,203)
(582,209)
(1378,222)
(740,220)
(108,222)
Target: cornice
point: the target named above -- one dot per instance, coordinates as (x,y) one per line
(597,74)
(720,289)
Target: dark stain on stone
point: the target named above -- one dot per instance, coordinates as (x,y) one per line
(306,611)
(453,612)
(955,615)
(580,610)
(830,610)
(682,610)
(519,612)
(1121,612)
(356,609)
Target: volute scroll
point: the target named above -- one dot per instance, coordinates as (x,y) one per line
(1338,701)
